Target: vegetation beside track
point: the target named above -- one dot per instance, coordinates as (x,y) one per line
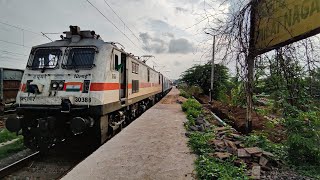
(288,104)
(207,166)
(5,136)
(11,148)
(302,160)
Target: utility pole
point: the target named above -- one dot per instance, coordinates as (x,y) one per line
(212,65)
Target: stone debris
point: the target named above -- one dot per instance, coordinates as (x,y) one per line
(253,150)
(221,155)
(228,142)
(256,172)
(200,124)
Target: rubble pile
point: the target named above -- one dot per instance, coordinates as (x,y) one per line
(229,142)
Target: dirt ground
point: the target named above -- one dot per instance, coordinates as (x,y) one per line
(154,146)
(236,117)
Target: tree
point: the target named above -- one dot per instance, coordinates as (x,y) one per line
(199,75)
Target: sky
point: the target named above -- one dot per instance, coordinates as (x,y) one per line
(170,30)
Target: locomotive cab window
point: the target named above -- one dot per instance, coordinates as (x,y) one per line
(80,58)
(45,59)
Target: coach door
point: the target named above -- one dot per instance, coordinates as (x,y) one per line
(123,77)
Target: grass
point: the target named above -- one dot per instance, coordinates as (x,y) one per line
(311,171)
(12,148)
(5,136)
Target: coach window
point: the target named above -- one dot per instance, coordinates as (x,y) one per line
(133,67)
(116,61)
(137,68)
(159,78)
(148,75)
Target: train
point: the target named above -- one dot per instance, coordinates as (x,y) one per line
(9,87)
(81,87)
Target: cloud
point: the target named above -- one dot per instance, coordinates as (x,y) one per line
(155,45)
(145,37)
(168,34)
(161,27)
(180,46)
(181,10)
(172,46)
(177,63)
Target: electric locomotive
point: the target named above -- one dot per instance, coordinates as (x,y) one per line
(81,86)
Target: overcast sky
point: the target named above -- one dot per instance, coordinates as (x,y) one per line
(163,28)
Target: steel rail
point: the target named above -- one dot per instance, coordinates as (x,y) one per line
(7,170)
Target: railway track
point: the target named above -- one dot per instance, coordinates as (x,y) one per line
(5,171)
(53,165)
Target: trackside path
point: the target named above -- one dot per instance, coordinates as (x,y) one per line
(152,147)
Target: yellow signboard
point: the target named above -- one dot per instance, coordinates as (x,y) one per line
(280,22)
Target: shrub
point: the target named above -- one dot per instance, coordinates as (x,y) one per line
(184,94)
(304,138)
(5,135)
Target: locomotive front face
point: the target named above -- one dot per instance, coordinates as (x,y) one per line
(60,94)
(58,77)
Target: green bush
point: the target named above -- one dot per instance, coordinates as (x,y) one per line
(195,90)
(5,135)
(304,138)
(184,94)
(191,104)
(12,148)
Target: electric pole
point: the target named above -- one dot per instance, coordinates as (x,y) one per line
(212,65)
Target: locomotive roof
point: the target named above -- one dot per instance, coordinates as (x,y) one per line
(85,38)
(67,42)
(86,42)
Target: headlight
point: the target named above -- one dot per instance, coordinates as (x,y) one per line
(54,85)
(57,85)
(61,84)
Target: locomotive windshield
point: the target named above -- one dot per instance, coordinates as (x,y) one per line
(45,59)
(79,58)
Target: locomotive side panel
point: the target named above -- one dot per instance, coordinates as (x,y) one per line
(143,81)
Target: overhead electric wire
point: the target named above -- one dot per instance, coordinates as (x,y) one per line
(22,29)
(123,22)
(113,24)
(14,43)
(14,59)
(13,53)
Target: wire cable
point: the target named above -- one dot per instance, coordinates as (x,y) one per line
(113,24)
(123,23)
(22,29)
(14,43)
(13,53)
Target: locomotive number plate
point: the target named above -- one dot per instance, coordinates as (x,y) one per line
(82,99)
